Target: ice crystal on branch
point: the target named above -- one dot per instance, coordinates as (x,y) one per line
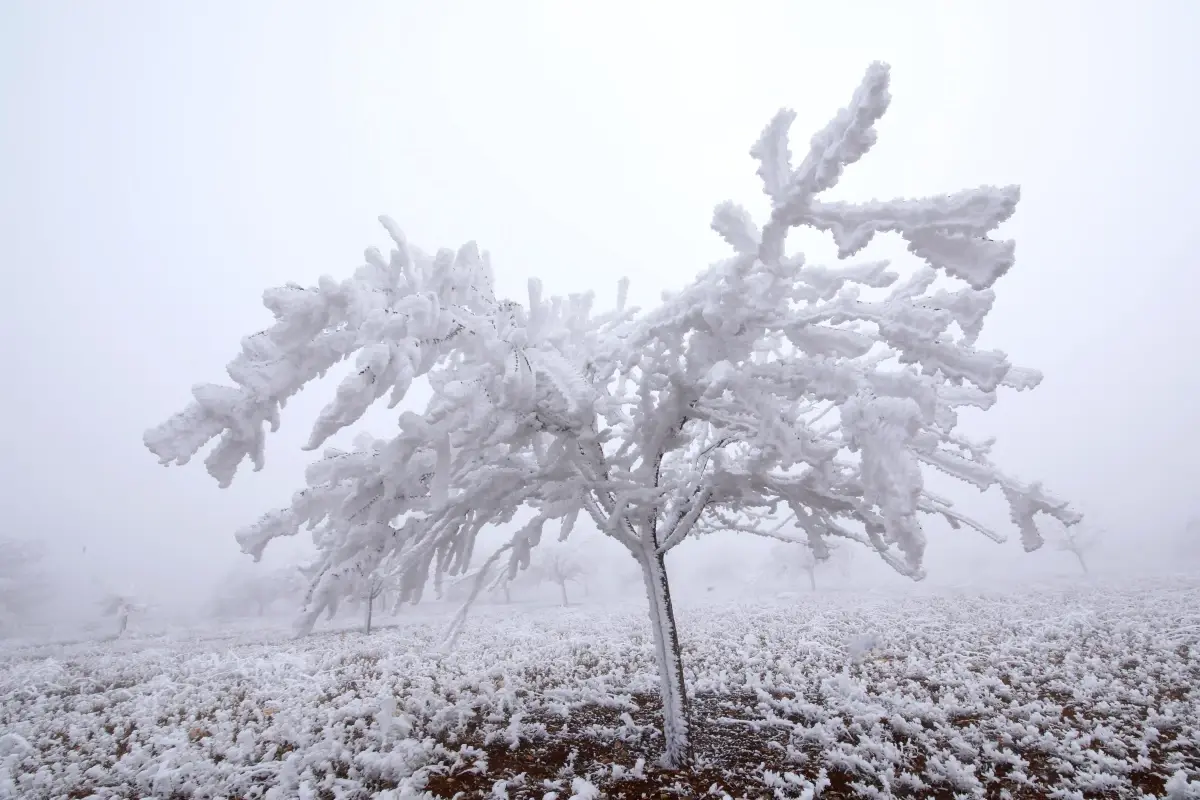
(771,396)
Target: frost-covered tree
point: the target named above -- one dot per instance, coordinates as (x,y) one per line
(560,566)
(121,605)
(504,589)
(789,560)
(373,586)
(254,592)
(766,386)
(1078,540)
(800,559)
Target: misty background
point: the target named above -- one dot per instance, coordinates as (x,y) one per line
(161,164)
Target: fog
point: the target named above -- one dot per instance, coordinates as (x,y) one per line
(163,163)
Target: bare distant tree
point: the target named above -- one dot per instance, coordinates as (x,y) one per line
(1078,540)
(374,587)
(807,563)
(121,606)
(256,591)
(560,566)
(789,560)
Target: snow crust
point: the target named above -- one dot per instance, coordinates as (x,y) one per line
(1088,686)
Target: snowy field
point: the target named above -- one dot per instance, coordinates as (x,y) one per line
(1061,692)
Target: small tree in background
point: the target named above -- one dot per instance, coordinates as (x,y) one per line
(560,566)
(255,592)
(122,606)
(1078,540)
(368,591)
(373,586)
(792,560)
(767,385)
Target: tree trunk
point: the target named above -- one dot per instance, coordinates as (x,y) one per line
(507,596)
(1082,563)
(562,586)
(370,609)
(812,579)
(122,623)
(678,750)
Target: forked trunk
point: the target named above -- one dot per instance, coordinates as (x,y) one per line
(678,750)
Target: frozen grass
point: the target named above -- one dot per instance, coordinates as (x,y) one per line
(1069,693)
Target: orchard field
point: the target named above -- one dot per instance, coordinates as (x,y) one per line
(1086,691)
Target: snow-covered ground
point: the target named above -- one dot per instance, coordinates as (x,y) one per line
(1072,692)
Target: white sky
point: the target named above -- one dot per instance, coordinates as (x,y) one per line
(163,163)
